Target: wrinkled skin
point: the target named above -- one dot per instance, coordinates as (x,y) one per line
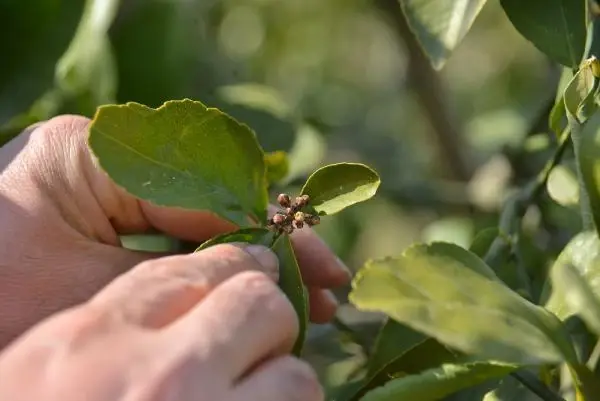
(83,318)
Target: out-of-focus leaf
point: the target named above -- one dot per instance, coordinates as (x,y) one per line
(509,389)
(334,187)
(562,186)
(157,45)
(183,155)
(445,292)
(277,166)
(440,25)
(483,240)
(555,27)
(33,36)
(307,152)
(436,383)
(579,261)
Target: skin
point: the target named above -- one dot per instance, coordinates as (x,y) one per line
(83,318)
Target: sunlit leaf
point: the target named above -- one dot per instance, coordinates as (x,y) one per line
(277,166)
(335,187)
(446,292)
(434,384)
(183,155)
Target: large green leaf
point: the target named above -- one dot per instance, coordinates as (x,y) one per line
(555,27)
(290,279)
(334,187)
(434,384)
(582,254)
(587,147)
(440,25)
(447,293)
(183,155)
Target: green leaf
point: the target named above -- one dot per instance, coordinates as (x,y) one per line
(290,279)
(447,292)
(277,166)
(577,294)
(334,187)
(579,261)
(555,27)
(440,25)
(183,155)
(509,389)
(587,147)
(558,120)
(434,384)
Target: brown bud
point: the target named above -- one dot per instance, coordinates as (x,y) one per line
(288,229)
(289,211)
(284,200)
(299,216)
(312,220)
(299,224)
(278,219)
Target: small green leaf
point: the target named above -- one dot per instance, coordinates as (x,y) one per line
(555,27)
(290,279)
(183,155)
(447,292)
(440,25)
(278,166)
(579,259)
(335,187)
(435,384)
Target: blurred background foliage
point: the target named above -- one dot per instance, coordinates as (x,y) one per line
(324,81)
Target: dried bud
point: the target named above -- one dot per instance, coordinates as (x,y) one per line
(284,200)
(312,220)
(278,219)
(289,211)
(288,229)
(302,201)
(299,224)
(299,216)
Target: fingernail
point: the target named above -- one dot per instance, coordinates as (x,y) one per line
(266,258)
(331,296)
(343,267)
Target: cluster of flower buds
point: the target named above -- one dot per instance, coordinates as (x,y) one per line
(291,215)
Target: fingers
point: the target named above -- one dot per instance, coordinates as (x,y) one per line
(322,305)
(284,378)
(244,321)
(320,267)
(167,288)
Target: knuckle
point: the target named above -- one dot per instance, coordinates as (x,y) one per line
(299,379)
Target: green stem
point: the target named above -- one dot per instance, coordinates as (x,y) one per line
(513,212)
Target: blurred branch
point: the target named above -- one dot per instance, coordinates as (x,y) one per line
(426,84)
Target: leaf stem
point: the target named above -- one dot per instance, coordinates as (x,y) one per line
(352,334)
(512,214)
(536,386)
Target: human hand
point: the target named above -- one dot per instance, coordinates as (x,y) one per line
(206,326)
(61,220)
